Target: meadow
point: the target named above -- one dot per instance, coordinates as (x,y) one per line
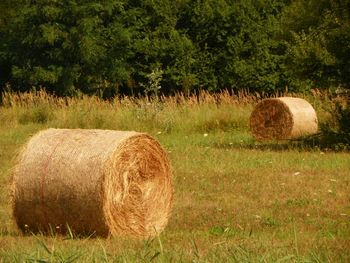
(235,199)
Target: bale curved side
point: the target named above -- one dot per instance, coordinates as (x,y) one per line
(283,118)
(305,120)
(81,177)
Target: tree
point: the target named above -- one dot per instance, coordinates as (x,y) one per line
(114,45)
(317,34)
(235,39)
(66,45)
(8,12)
(159,45)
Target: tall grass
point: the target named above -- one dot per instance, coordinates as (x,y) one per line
(169,114)
(198,113)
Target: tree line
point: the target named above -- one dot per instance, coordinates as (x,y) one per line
(112,47)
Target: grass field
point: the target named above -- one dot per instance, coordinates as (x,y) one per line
(236,200)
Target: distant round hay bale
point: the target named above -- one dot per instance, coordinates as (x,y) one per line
(283,118)
(92,182)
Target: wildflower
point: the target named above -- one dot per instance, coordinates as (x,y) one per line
(330,191)
(159,132)
(205,134)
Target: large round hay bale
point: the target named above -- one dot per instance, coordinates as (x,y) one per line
(94,181)
(283,118)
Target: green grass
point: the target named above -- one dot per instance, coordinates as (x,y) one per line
(236,200)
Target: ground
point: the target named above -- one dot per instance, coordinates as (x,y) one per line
(235,199)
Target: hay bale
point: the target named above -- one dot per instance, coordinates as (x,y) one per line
(283,118)
(95,181)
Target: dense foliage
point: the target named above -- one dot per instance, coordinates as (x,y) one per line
(318,39)
(133,46)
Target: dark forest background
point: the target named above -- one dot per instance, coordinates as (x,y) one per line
(117,47)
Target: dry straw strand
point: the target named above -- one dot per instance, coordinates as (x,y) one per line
(94,181)
(283,118)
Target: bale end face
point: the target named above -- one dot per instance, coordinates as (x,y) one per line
(138,189)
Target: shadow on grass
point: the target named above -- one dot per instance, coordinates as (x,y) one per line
(266,146)
(336,142)
(12,233)
(328,141)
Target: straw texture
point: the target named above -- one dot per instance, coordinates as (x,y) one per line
(94,181)
(283,118)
